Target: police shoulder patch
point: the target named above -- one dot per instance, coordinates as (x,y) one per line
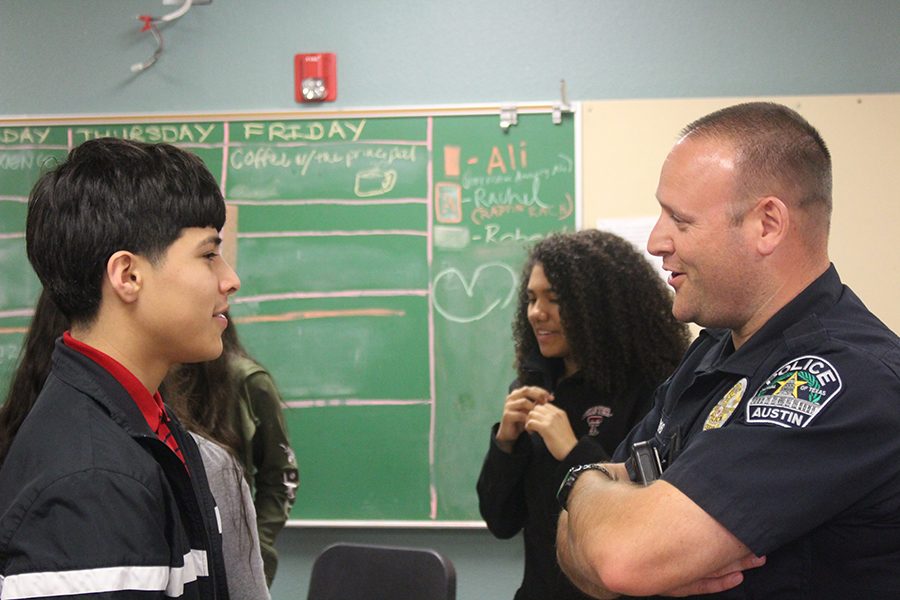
(795,393)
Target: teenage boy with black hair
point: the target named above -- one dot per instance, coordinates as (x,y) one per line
(102,493)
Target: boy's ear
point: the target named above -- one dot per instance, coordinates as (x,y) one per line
(125,275)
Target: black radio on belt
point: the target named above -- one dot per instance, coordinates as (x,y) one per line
(643,465)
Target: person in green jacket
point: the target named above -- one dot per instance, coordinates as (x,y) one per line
(234,401)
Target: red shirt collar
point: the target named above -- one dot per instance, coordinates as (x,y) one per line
(151,406)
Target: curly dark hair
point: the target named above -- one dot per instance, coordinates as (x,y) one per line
(615,310)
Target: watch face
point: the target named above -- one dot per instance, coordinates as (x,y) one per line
(313,88)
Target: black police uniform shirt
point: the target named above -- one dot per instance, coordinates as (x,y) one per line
(518,490)
(792,443)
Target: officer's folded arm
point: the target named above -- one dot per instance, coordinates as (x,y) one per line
(621,538)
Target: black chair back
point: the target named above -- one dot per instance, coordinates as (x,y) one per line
(367,572)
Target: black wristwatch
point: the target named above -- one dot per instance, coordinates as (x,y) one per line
(562,494)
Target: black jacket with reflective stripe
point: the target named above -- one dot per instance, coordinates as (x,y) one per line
(93,503)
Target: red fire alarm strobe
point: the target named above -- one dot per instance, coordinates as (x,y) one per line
(315,79)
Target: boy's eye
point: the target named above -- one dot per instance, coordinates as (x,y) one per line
(210,255)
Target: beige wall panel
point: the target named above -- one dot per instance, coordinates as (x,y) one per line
(626,141)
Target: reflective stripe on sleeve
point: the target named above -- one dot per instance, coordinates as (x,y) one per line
(107,579)
(195,565)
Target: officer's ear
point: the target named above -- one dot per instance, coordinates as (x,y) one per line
(772,222)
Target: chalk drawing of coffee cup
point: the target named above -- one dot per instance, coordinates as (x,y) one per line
(374,182)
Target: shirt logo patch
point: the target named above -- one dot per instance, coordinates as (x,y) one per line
(594,416)
(721,412)
(794,394)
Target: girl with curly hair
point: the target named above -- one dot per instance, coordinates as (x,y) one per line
(594,335)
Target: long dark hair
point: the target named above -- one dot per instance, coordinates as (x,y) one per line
(47,324)
(615,310)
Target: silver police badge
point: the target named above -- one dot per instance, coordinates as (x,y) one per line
(794,394)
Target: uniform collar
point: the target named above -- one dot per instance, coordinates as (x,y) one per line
(795,324)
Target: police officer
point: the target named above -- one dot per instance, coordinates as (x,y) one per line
(778,435)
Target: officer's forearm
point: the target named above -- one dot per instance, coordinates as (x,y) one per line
(574,566)
(597,510)
(642,541)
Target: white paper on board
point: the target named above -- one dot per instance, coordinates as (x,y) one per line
(637,231)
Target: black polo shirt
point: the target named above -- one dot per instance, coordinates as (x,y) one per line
(792,443)
(518,490)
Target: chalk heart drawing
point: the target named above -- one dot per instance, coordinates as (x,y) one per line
(497,280)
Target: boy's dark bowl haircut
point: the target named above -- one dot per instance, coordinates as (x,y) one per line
(110,195)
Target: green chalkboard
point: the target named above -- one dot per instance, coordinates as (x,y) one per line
(379,257)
